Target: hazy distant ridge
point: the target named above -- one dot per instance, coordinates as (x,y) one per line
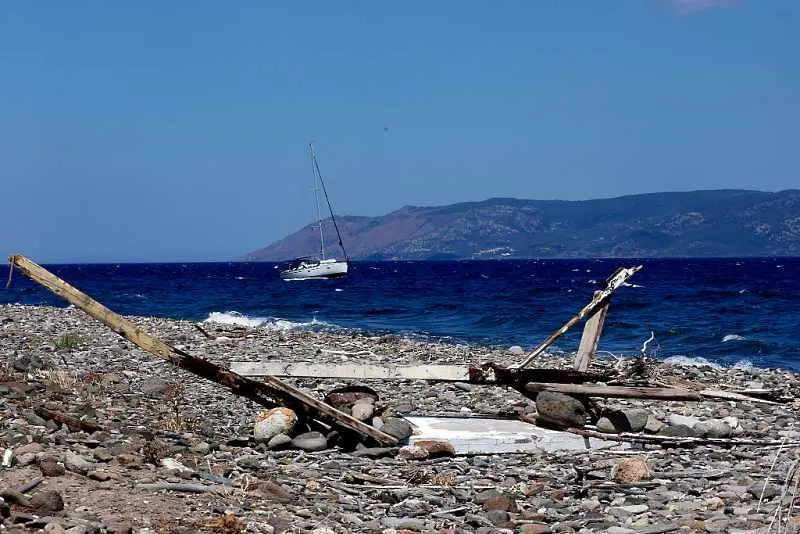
(697,223)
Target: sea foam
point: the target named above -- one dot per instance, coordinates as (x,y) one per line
(268,323)
(698,361)
(691,361)
(235,318)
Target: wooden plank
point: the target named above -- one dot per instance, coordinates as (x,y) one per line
(488,373)
(656,439)
(731,395)
(445,373)
(619,392)
(591,337)
(270,393)
(614,281)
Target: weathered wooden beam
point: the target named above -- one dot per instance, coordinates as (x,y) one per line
(591,337)
(623,392)
(732,395)
(620,392)
(493,373)
(73,423)
(614,281)
(656,439)
(444,373)
(270,393)
(487,373)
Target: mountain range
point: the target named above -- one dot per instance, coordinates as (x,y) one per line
(678,224)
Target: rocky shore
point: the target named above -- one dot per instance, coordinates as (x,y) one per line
(97,435)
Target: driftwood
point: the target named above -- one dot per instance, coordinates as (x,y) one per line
(488,373)
(627,392)
(620,392)
(445,373)
(203,331)
(494,373)
(30,485)
(654,439)
(269,393)
(185,488)
(600,299)
(73,423)
(591,337)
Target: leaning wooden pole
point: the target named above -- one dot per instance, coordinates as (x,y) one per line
(270,392)
(600,298)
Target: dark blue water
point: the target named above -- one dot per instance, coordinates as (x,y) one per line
(724,310)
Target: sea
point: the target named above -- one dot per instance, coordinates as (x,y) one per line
(720,312)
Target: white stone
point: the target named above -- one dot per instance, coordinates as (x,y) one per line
(675,419)
(362,410)
(172,464)
(273,422)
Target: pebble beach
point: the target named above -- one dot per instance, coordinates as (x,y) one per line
(161,450)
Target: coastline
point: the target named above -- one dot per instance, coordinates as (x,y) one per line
(144,404)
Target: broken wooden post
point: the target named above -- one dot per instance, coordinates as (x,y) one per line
(270,393)
(591,337)
(600,298)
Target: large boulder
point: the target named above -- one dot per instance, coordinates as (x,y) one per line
(396,427)
(629,419)
(310,441)
(560,409)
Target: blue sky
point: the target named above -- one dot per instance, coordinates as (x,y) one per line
(177,131)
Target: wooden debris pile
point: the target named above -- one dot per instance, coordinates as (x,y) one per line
(565,398)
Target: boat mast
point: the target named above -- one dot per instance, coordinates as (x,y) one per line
(328,200)
(318,214)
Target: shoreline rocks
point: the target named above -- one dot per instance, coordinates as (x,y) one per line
(175,453)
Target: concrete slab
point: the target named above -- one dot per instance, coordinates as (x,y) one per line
(483,435)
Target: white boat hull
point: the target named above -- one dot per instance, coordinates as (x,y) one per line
(322,269)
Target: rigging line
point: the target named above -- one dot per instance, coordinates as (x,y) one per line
(333,218)
(318,212)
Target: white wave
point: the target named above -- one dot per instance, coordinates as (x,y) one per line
(743,291)
(593,281)
(691,361)
(235,318)
(338,290)
(733,337)
(628,284)
(267,323)
(697,361)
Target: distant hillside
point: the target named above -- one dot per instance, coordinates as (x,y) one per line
(690,224)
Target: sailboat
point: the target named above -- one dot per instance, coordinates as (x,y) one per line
(310,267)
